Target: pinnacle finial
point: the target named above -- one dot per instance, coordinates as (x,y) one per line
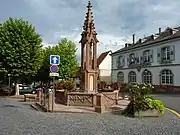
(89,4)
(89,27)
(88,23)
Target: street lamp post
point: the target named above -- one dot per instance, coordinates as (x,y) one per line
(9,77)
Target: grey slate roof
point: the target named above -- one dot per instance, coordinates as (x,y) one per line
(167,34)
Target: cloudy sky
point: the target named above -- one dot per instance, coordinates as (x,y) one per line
(115,20)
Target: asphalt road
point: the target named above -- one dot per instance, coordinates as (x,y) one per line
(18,118)
(170,101)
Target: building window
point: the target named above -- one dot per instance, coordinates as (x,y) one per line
(132,58)
(166,53)
(146,76)
(120,77)
(147,56)
(166,77)
(132,77)
(120,61)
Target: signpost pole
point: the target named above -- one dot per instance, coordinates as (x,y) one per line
(54,62)
(53,94)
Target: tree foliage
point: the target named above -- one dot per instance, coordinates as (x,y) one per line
(43,72)
(68,67)
(20,49)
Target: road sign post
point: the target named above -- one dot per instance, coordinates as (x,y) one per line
(53,97)
(53,74)
(54,62)
(54,59)
(54,68)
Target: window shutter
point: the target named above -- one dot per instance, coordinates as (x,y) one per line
(127,59)
(142,58)
(123,61)
(172,53)
(151,56)
(137,58)
(117,63)
(158,54)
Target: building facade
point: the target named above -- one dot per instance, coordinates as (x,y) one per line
(154,59)
(104,65)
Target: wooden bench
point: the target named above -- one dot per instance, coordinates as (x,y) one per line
(29,96)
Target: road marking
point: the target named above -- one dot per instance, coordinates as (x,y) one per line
(173,111)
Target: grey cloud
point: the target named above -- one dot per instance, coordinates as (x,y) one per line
(56,18)
(132,17)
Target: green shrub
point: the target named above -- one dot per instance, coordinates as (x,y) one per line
(155,104)
(141,101)
(102,85)
(65,92)
(69,85)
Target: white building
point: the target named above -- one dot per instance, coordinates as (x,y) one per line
(104,63)
(154,59)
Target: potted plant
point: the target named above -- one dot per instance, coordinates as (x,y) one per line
(141,104)
(101,85)
(107,89)
(69,86)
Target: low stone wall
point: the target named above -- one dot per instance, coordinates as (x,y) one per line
(81,99)
(60,97)
(105,100)
(75,98)
(110,99)
(166,89)
(101,101)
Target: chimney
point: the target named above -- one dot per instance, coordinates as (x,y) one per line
(152,37)
(133,38)
(140,40)
(129,45)
(126,45)
(159,31)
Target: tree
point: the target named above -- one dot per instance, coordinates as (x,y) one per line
(68,64)
(43,72)
(20,49)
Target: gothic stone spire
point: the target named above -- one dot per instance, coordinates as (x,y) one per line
(88,42)
(89,27)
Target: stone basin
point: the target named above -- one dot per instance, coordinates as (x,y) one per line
(148,113)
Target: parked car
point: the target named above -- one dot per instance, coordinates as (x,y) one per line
(44,87)
(23,89)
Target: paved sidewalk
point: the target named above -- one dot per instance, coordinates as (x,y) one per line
(74,109)
(17,118)
(16,97)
